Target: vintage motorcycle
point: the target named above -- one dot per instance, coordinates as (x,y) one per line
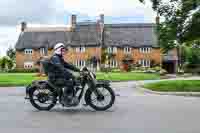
(98,94)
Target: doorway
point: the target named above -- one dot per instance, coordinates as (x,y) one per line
(169,66)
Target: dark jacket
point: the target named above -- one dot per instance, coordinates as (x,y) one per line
(60,69)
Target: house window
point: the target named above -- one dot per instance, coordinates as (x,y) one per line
(112,49)
(28,51)
(145,50)
(28,65)
(145,63)
(80,49)
(80,63)
(127,50)
(113,63)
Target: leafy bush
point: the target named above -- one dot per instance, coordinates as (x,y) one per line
(23,70)
(181,72)
(157,68)
(6,63)
(115,70)
(163,72)
(137,67)
(193,55)
(191,68)
(105,69)
(150,71)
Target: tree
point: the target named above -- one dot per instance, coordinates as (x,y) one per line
(10,64)
(6,63)
(181,20)
(3,62)
(193,55)
(11,53)
(181,23)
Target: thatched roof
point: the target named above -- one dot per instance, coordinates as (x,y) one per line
(134,35)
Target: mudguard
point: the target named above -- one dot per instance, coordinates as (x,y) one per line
(33,85)
(103,83)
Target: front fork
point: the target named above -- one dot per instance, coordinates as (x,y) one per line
(28,88)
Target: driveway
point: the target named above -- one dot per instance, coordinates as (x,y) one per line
(133,112)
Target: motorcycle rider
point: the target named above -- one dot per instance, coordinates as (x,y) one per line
(63,71)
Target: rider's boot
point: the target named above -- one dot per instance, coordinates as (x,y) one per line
(69,98)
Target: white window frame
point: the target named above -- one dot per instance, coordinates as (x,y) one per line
(127,49)
(145,50)
(80,63)
(113,63)
(28,51)
(145,62)
(112,49)
(80,49)
(28,65)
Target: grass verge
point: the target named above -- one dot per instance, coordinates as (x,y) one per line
(23,79)
(175,86)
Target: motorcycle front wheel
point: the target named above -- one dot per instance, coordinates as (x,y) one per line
(43,99)
(102,101)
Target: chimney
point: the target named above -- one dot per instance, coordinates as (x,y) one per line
(73,21)
(102,18)
(100,28)
(157,20)
(23,26)
(101,23)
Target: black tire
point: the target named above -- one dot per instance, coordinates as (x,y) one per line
(32,101)
(90,103)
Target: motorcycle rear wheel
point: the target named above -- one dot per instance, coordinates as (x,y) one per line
(43,97)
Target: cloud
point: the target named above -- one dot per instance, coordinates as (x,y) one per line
(8,38)
(112,8)
(12,12)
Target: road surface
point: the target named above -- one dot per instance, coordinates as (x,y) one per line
(133,112)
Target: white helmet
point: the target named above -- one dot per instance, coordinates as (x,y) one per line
(58,47)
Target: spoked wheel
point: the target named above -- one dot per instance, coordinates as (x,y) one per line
(101,101)
(43,99)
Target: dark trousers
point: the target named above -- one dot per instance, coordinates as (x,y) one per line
(69,84)
(63,79)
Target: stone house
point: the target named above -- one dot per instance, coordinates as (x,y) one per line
(86,40)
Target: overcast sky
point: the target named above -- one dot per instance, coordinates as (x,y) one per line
(12,12)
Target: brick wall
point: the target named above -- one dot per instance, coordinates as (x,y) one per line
(136,55)
(155,55)
(21,58)
(72,55)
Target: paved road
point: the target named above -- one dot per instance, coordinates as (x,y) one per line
(134,112)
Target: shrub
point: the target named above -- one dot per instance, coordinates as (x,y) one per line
(163,72)
(181,72)
(150,71)
(24,70)
(115,70)
(157,68)
(105,69)
(192,68)
(193,56)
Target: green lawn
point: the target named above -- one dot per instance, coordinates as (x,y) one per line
(16,79)
(123,76)
(23,79)
(175,86)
